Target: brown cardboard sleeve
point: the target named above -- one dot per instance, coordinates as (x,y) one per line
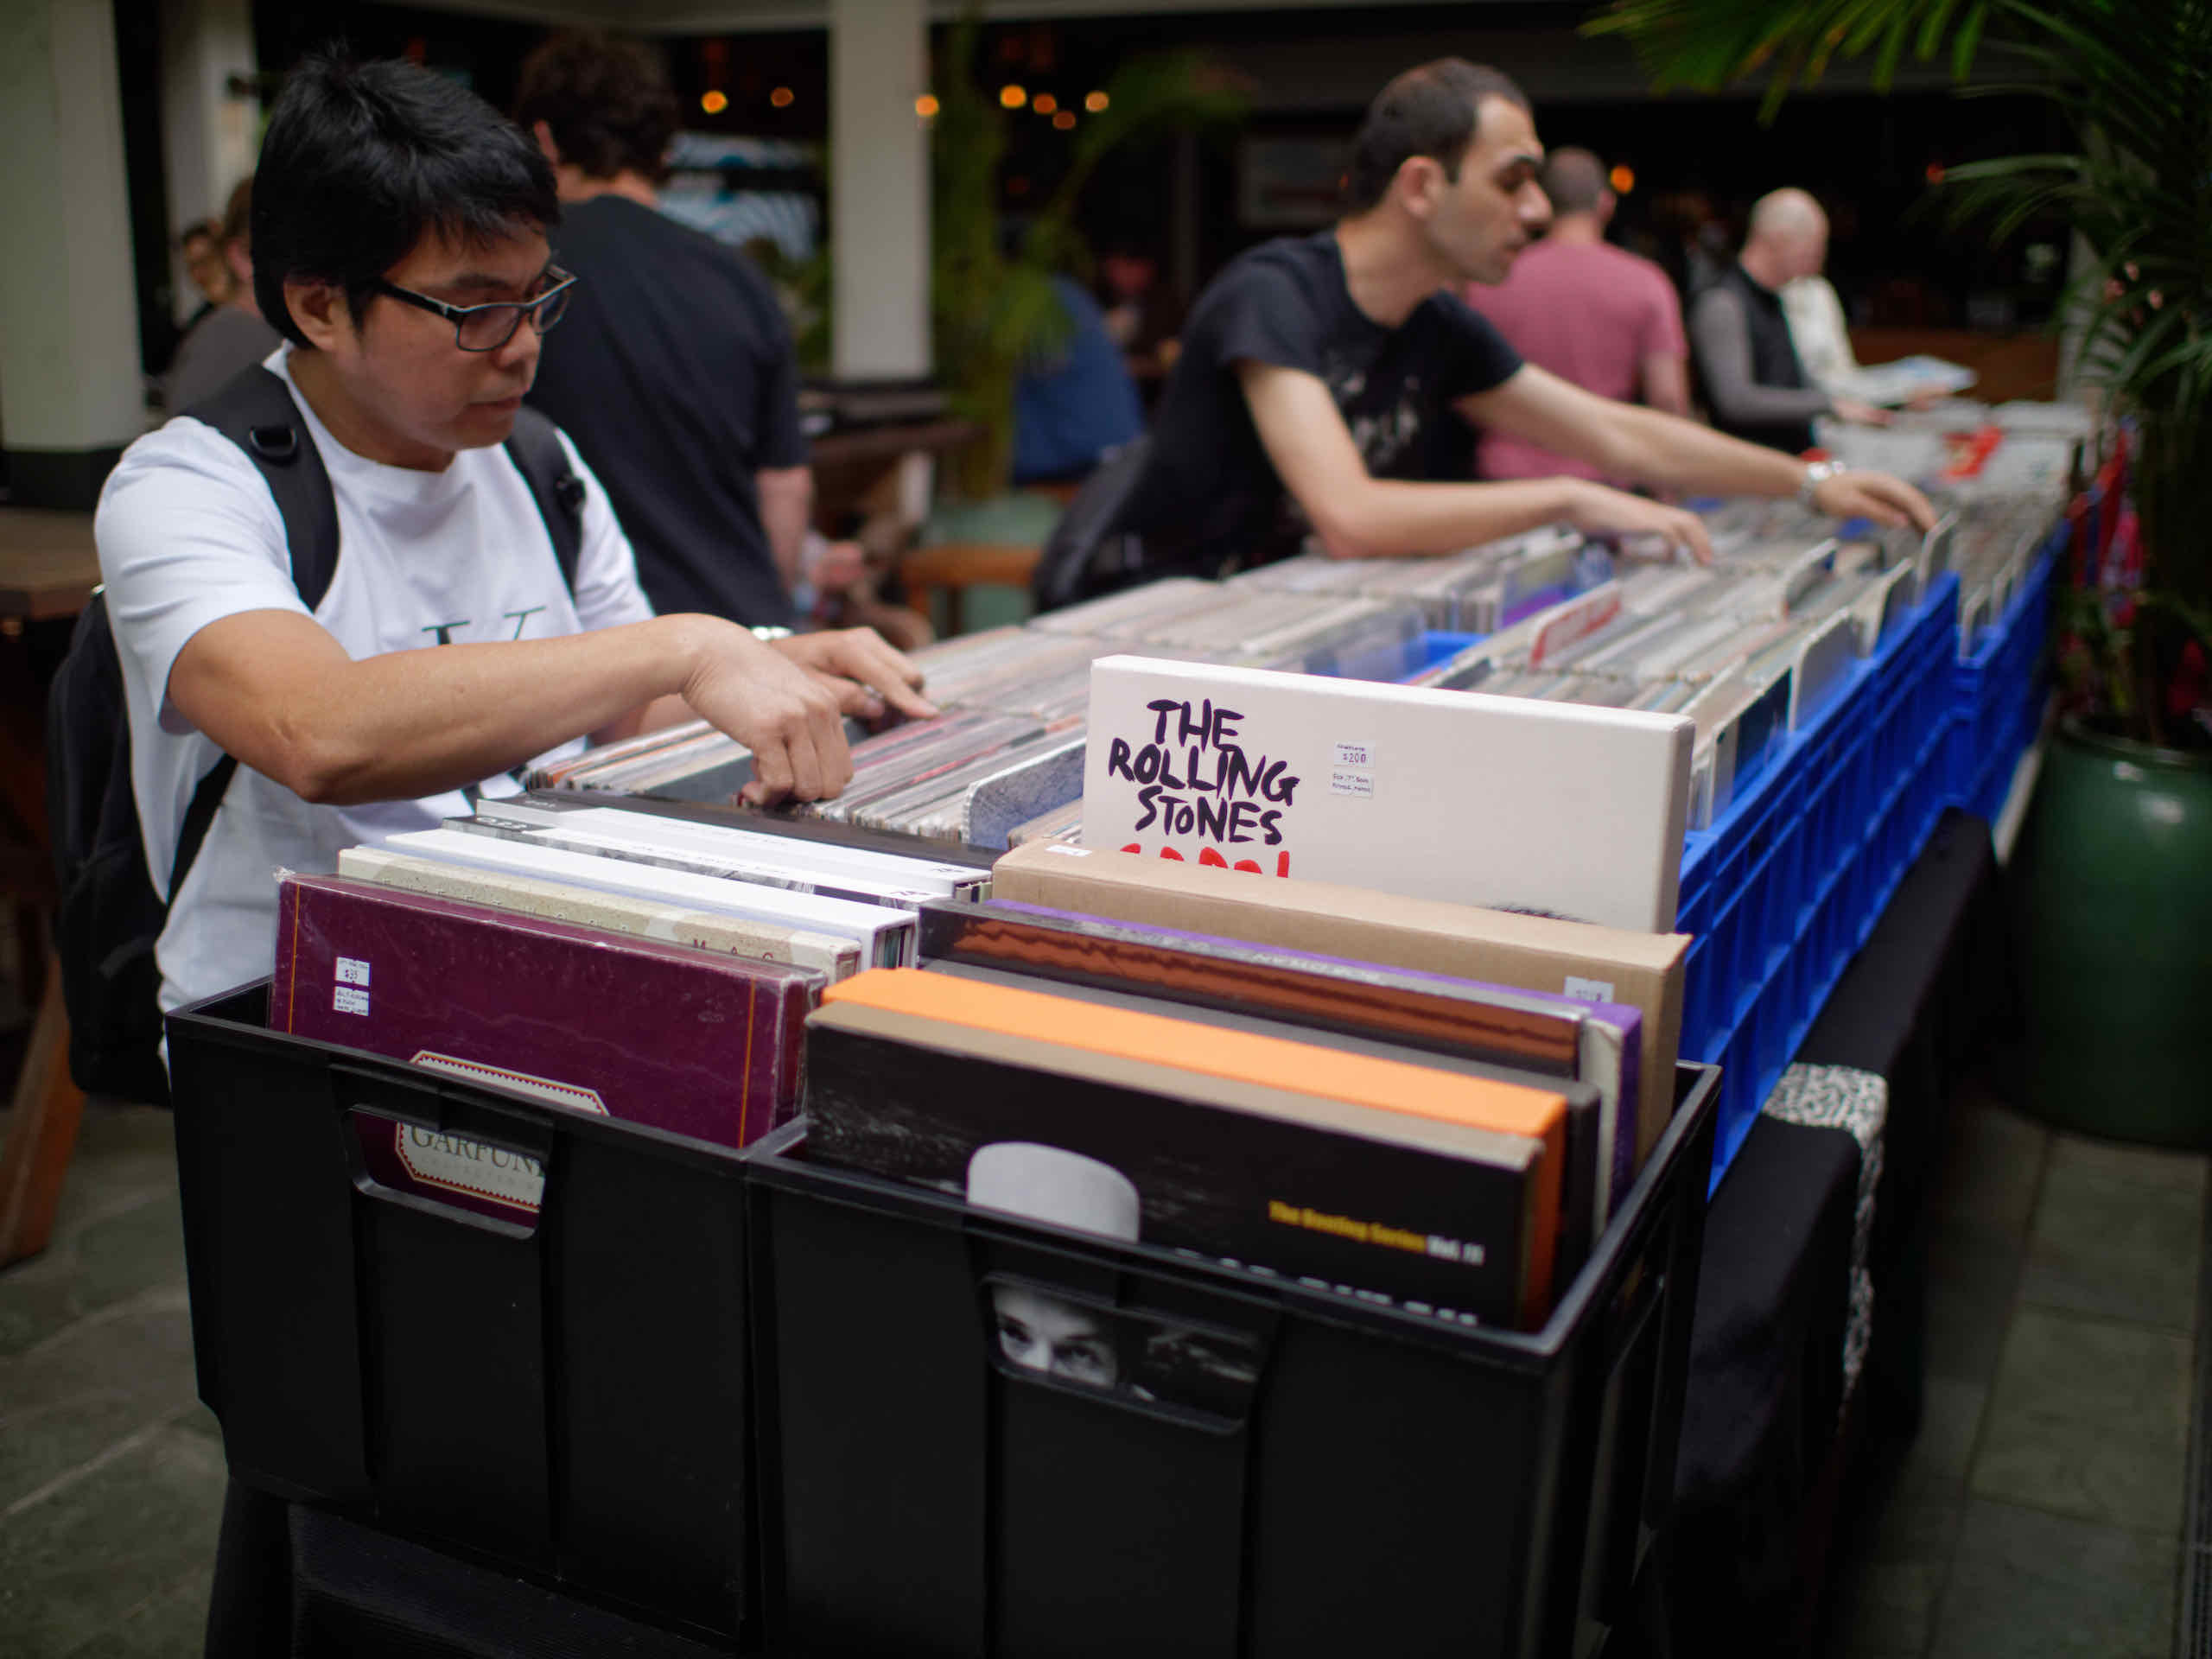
(1532,952)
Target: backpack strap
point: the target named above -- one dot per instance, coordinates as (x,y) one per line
(256,411)
(536,451)
(197,818)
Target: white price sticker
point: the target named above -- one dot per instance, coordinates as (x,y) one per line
(353,971)
(1353,781)
(1355,755)
(345,999)
(1590,991)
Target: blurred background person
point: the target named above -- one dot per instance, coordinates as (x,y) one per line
(1755,385)
(231,335)
(1076,405)
(201,245)
(676,375)
(1589,312)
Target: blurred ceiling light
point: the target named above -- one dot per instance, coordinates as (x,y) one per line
(925,106)
(781,98)
(714,103)
(1011,98)
(1622,179)
(1065,120)
(1044,102)
(1094,102)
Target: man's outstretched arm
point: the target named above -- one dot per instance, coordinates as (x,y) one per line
(1671,453)
(1358,515)
(276,690)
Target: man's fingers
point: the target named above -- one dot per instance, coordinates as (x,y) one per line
(772,772)
(833,755)
(865,656)
(806,765)
(1690,532)
(853,698)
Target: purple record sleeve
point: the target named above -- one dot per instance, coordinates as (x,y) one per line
(697,1042)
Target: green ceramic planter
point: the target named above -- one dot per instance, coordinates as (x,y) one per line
(2115,884)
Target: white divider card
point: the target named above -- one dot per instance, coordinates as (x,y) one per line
(1556,808)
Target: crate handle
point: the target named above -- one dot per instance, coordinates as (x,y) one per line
(403,1147)
(1190,1372)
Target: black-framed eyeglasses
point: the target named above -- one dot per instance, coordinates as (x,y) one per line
(487,327)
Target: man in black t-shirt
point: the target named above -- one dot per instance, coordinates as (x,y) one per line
(1325,380)
(675,374)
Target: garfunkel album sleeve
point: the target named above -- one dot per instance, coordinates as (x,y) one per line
(699,1043)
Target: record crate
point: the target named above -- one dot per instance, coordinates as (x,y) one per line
(1788,880)
(561,1395)
(1998,690)
(1238,1464)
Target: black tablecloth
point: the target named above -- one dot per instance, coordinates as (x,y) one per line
(1760,1445)
(1758,1470)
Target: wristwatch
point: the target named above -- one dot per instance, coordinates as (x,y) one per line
(1817,472)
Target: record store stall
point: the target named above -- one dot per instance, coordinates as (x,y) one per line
(1213,1024)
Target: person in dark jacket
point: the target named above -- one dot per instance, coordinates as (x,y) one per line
(1754,385)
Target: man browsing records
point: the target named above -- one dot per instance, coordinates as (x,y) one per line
(1330,384)
(449,650)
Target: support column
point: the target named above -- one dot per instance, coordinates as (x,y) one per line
(878,189)
(70,395)
(208,131)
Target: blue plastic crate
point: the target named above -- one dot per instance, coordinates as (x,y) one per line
(1437,647)
(1998,691)
(1785,886)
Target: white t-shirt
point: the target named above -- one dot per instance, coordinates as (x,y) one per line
(188,532)
(1818,330)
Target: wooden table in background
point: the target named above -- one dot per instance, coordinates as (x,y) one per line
(2024,363)
(48,572)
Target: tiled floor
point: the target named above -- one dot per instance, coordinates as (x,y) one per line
(2040,1510)
(2038,1513)
(111,1471)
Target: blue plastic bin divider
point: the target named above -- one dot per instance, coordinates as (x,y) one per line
(1786,884)
(1437,647)
(1997,692)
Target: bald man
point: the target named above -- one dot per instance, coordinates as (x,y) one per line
(1754,383)
(1587,311)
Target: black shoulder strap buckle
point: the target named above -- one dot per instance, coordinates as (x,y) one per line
(256,412)
(278,443)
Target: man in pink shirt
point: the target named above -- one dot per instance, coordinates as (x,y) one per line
(1587,311)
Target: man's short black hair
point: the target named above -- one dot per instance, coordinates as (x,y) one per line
(605,100)
(362,159)
(1429,110)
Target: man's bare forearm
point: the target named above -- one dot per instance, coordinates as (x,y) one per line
(406,724)
(1394,518)
(1668,452)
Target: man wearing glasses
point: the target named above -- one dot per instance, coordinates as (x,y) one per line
(399,243)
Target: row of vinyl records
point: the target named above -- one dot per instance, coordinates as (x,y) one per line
(1397,1097)
(1748,649)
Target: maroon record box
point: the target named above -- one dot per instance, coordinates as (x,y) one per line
(697,1042)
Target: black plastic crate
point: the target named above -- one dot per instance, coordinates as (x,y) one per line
(1269,1469)
(565,1397)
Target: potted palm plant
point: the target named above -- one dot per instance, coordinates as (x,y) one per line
(2115,866)
(994,308)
